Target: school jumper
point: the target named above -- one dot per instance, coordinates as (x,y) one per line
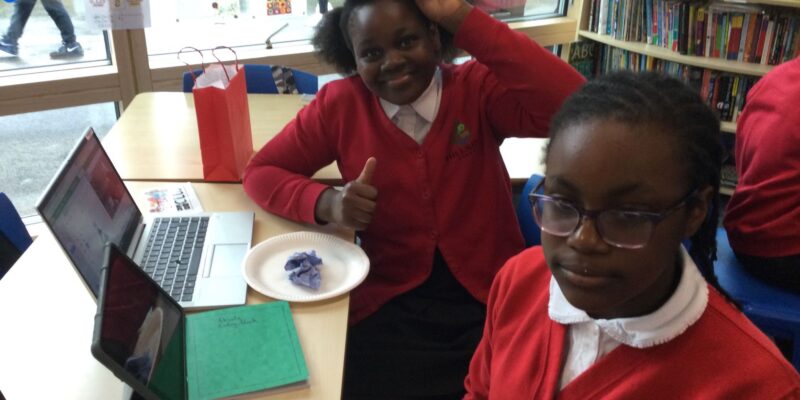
(720,356)
(452,192)
(763,216)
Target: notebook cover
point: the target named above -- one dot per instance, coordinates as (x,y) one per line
(243,349)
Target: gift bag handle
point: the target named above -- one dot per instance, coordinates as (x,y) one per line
(189,66)
(235,58)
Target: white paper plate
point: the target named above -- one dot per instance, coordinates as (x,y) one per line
(344,266)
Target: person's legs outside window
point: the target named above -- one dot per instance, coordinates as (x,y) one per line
(70,48)
(22,11)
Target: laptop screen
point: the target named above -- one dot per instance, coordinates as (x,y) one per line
(87,205)
(141,330)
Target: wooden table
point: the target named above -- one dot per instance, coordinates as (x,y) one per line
(47,317)
(156,138)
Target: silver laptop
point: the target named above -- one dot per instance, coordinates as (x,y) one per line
(194,257)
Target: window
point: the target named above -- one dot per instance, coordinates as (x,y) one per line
(41,36)
(35,144)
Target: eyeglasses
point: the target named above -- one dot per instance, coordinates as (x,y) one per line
(618,228)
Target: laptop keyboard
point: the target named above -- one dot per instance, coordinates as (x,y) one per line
(172,254)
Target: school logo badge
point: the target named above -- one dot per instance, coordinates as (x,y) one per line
(461,134)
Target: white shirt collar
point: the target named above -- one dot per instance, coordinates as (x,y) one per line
(683,309)
(426,105)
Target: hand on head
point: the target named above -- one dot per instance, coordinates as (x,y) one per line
(448,13)
(354,205)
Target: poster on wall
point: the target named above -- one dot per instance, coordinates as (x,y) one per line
(118,14)
(278,7)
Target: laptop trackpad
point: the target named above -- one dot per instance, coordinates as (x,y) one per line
(227,259)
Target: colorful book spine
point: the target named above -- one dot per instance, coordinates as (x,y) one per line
(768,39)
(742,38)
(734,36)
(700,31)
(762,39)
(752,37)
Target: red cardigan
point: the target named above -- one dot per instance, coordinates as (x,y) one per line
(451,192)
(763,215)
(722,356)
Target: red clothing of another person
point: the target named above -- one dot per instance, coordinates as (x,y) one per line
(452,192)
(763,216)
(721,356)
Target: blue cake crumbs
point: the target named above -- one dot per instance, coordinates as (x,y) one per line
(304,267)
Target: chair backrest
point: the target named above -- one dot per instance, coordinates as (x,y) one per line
(14,237)
(306,83)
(259,79)
(773,310)
(530,230)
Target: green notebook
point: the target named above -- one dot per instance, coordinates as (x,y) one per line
(241,350)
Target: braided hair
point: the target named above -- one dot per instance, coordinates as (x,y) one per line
(652,99)
(331,38)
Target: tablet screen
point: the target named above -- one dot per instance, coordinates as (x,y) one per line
(141,329)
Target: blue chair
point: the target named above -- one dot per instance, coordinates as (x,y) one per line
(530,230)
(14,237)
(259,79)
(773,310)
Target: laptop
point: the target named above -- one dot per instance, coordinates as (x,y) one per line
(195,257)
(146,339)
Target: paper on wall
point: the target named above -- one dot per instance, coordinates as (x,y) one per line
(118,14)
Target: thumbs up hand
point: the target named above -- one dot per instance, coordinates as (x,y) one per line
(354,205)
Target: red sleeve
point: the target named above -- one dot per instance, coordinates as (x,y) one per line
(278,176)
(525,83)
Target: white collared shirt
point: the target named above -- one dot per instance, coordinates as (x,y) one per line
(415,119)
(590,339)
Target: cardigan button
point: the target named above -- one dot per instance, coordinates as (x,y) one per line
(426,195)
(420,154)
(434,234)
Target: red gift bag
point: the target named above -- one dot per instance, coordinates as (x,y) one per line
(223,121)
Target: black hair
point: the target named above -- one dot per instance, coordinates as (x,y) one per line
(656,100)
(332,38)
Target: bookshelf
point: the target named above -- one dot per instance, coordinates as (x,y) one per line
(639,38)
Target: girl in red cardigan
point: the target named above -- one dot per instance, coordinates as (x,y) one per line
(611,306)
(417,142)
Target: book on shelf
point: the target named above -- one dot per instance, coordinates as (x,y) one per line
(583,57)
(735,36)
(762,37)
(753,28)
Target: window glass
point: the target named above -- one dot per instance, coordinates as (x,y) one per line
(42,42)
(514,10)
(35,144)
(244,24)
(248,24)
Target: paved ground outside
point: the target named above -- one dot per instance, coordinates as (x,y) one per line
(33,145)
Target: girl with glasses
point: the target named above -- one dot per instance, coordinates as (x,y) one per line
(612,305)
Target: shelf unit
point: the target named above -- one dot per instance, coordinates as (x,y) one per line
(718,64)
